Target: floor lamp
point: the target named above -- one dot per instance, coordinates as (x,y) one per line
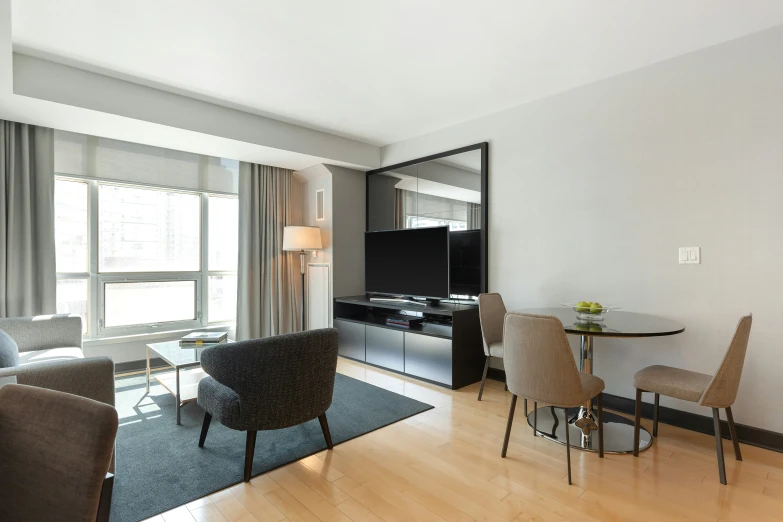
(302,239)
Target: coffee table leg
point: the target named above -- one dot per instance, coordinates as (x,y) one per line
(178,403)
(148,369)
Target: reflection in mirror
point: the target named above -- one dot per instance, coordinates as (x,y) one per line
(442,192)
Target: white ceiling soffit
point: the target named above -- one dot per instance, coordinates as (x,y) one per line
(379,72)
(433,188)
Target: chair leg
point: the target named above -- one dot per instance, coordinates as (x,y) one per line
(204,429)
(508,426)
(719,445)
(325,429)
(525,407)
(568,445)
(484,378)
(535,418)
(250,448)
(601,425)
(733,432)
(655,415)
(637,422)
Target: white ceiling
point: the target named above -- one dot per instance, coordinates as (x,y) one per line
(376,71)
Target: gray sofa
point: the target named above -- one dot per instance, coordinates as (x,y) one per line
(51,357)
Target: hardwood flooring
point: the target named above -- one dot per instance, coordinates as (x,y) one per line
(444,465)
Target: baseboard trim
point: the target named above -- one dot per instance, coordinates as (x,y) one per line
(751,435)
(134,366)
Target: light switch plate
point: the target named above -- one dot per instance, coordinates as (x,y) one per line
(690,255)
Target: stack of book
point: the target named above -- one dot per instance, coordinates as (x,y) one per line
(199,338)
(403,321)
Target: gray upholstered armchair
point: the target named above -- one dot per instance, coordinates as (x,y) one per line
(269,384)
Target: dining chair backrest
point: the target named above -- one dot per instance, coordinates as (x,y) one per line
(722,390)
(491,314)
(538,360)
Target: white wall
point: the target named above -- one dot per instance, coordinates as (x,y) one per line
(592,191)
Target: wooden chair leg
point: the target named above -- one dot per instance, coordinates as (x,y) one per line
(719,445)
(250,448)
(104,505)
(508,426)
(601,425)
(655,415)
(637,423)
(204,429)
(733,432)
(484,378)
(525,407)
(568,445)
(325,429)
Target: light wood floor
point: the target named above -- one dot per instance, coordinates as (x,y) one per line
(445,465)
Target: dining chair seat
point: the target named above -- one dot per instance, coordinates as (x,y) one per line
(496,349)
(591,387)
(672,382)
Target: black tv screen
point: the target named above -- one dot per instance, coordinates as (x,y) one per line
(411,262)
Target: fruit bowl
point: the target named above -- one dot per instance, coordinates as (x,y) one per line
(589,312)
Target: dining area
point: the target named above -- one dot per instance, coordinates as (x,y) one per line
(563,394)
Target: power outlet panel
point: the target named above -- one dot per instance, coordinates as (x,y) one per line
(690,255)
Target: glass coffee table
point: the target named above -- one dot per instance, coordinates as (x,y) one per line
(182,381)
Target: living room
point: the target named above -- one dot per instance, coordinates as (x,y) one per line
(401,261)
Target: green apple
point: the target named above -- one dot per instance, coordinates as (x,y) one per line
(583,306)
(596,308)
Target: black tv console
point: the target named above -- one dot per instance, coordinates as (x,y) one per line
(446,349)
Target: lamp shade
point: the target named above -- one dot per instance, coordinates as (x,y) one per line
(302,238)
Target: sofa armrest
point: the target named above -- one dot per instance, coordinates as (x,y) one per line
(42,332)
(92,377)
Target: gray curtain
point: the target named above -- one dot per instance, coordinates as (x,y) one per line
(474,216)
(269,288)
(28,278)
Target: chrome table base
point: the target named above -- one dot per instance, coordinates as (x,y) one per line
(618,431)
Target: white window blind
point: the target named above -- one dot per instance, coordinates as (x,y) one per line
(103,158)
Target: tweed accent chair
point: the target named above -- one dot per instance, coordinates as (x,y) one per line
(491,314)
(269,384)
(55,451)
(540,366)
(713,391)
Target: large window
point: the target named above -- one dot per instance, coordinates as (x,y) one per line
(136,259)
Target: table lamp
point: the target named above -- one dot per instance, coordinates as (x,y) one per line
(302,239)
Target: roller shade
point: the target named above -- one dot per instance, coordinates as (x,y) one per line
(103,158)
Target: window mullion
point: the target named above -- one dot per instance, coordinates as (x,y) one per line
(202,299)
(94,308)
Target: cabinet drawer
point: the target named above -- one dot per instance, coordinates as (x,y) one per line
(428,357)
(385,348)
(351,343)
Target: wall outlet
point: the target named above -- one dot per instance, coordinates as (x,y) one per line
(690,255)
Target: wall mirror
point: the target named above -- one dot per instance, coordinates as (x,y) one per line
(446,189)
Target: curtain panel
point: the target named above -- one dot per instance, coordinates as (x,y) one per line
(28,281)
(268,288)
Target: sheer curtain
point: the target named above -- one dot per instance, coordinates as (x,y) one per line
(268,290)
(28,279)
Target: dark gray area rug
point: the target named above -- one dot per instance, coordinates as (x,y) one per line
(160,466)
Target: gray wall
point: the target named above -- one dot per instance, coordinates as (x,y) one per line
(348,203)
(592,191)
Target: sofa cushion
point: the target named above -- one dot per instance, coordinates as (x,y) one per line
(9,351)
(52,354)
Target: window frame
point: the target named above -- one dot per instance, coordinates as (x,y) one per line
(96,320)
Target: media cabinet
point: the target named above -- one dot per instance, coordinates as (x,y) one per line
(445,350)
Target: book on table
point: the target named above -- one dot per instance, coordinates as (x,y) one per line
(199,338)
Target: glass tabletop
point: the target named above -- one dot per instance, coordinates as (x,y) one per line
(180,356)
(616,323)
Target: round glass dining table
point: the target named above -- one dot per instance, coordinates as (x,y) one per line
(582,421)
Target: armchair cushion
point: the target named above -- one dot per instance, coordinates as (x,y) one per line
(52,354)
(9,351)
(221,402)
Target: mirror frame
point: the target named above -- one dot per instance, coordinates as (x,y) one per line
(484,148)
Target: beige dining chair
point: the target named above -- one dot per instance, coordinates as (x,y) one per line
(540,366)
(491,314)
(713,391)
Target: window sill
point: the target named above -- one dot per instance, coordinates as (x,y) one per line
(151,336)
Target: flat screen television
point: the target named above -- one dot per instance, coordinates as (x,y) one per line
(413,262)
(465,262)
